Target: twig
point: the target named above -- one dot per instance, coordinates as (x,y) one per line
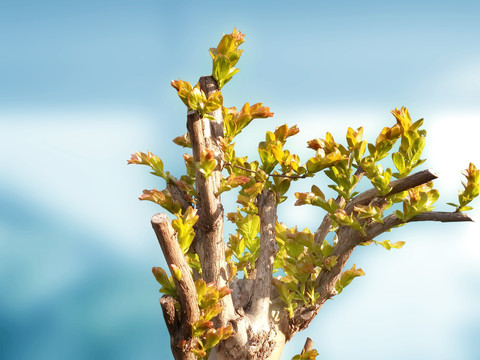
(366,197)
(273,175)
(290,176)
(409,182)
(391,221)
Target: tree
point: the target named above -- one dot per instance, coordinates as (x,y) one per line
(245,298)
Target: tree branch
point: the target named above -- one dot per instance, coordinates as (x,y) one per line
(208,243)
(366,197)
(391,221)
(260,302)
(348,240)
(409,182)
(294,177)
(187,294)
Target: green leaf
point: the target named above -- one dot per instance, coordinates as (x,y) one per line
(417,149)
(197,100)
(168,286)
(221,69)
(211,311)
(183,226)
(387,245)
(277,152)
(226,45)
(347,277)
(294,248)
(176,272)
(207,163)
(213,337)
(183,140)
(326,248)
(162,198)
(249,226)
(266,156)
(330,262)
(214,102)
(471,188)
(183,89)
(151,160)
(201,287)
(200,326)
(399,162)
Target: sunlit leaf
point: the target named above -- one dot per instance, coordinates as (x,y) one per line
(176,272)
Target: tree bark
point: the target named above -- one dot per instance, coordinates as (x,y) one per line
(209,243)
(179,329)
(260,301)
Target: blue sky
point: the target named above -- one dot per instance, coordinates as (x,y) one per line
(85,84)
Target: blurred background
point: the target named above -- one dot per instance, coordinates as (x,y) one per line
(85,84)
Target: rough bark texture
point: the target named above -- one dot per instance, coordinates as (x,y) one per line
(260,307)
(180,329)
(209,243)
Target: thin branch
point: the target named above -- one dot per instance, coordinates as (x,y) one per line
(185,286)
(391,221)
(366,197)
(267,211)
(295,177)
(241,168)
(409,182)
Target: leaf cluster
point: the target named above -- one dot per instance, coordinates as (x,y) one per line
(204,334)
(470,189)
(225,56)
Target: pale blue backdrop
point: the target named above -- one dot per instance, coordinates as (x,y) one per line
(83,84)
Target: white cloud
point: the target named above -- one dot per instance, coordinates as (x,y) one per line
(72,166)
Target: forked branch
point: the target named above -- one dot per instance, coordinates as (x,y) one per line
(349,238)
(391,221)
(409,182)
